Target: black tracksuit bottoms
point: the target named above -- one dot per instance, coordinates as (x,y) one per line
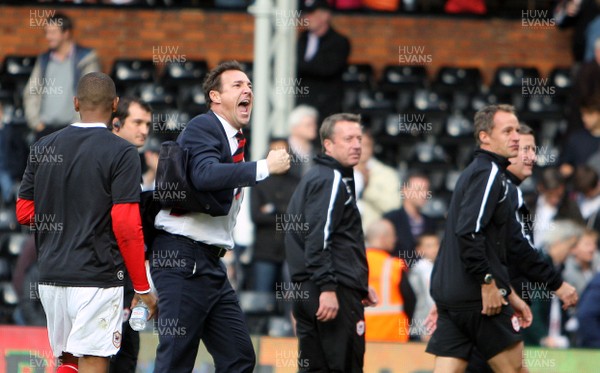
(333,346)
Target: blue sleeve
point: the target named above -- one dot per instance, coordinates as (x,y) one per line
(208,172)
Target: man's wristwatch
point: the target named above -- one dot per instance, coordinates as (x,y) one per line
(488,278)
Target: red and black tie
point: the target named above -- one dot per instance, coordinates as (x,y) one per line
(238,156)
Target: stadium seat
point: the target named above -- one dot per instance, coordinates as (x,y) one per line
(257,307)
(429,153)
(358,75)
(14,115)
(544,106)
(15,243)
(5,272)
(191,71)
(158,96)
(398,77)
(190,99)
(451,179)
(8,220)
(436,208)
(428,100)
(280,327)
(125,71)
(462,79)
(6,94)
(17,68)
(511,78)
(561,78)
(9,296)
(459,125)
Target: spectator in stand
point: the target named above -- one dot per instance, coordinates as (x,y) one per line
(408,220)
(587,186)
(268,204)
(48,95)
(582,144)
(586,83)
(419,275)
(151,153)
(381,184)
(548,328)
(322,58)
(389,320)
(552,203)
(584,261)
(303,131)
(588,316)
(577,14)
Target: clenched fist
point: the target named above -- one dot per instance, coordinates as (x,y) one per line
(278,162)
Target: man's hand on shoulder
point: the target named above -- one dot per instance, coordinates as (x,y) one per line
(278,162)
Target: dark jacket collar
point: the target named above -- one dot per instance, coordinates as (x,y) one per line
(333,163)
(496,158)
(515,180)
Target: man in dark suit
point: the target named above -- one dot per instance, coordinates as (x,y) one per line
(196,299)
(408,220)
(322,58)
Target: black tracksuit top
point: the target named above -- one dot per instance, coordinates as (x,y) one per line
(483,236)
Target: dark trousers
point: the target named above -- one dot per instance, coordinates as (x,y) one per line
(196,301)
(333,346)
(125,361)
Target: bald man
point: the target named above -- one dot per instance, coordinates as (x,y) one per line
(390,319)
(80,194)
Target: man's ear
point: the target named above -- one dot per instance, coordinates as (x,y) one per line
(115,104)
(76,103)
(215,96)
(484,137)
(327,144)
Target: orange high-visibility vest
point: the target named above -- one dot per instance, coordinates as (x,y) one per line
(387,321)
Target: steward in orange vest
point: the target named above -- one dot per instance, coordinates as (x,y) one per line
(387,321)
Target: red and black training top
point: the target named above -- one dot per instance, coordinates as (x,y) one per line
(83,183)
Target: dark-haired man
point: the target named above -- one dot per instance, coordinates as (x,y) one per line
(196,299)
(48,95)
(132,121)
(81,193)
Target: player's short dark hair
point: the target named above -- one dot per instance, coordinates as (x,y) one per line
(123,108)
(484,118)
(96,90)
(62,20)
(328,126)
(212,82)
(526,130)
(591,103)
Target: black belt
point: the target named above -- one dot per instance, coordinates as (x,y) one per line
(215,250)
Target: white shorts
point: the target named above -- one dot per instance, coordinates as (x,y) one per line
(83,320)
